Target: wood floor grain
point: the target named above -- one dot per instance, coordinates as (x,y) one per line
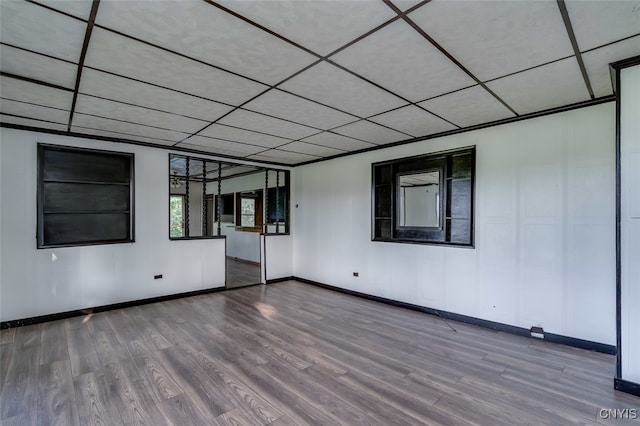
(293,354)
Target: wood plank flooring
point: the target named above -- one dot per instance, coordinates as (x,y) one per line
(241,274)
(293,354)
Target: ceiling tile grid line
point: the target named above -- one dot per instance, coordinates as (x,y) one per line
(30,118)
(236,142)
(33,103)
(37,53)
(53,9)
(83,54)
(574,43)
(122,133)
(610,43)
(156,85)
(337,50)
(263,28)
(247,130)
(129,122)
(536,88)
(216,121)
(140,106)
(35,81)
(379,27)
(399,14)
(423,33)
(182,55)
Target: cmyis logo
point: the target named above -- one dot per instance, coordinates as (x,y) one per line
(618,413)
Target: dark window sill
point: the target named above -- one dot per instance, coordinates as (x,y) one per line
(209,237)
(424,242)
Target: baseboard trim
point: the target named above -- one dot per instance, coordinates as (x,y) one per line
(279,280)
(626,386)
(520,331)
(86,311)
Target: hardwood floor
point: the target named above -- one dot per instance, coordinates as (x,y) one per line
(241,274)
(290,353)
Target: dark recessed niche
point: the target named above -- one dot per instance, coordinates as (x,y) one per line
(425,199)
(85,196)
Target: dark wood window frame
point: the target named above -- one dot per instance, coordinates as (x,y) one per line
(456,198)
(85,197)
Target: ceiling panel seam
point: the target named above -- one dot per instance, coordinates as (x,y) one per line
(182,55)
(85,46)
(574,44)
(435,44)
(37,53)
(53,9)
(34,81)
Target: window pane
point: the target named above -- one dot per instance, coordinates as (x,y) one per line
(248,210)
(176,216)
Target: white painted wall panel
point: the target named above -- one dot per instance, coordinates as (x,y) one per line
(279,256)
(630,221)
(38,282)
(527,265)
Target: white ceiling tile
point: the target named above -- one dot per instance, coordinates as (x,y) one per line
(122,89)
(261,123)
(79,8)
(311,149)
(597,63)
(338,141)
(371,132)
(413,120)
(401,60)
(243,136)
(600,22)
(212,150)
(224,145)
(322,26)
(549,86)
(115,53)
(120,135)
(19,90)
(34,111)
(38,67)
(119,111)
(106,124)
(33,27)
(334,87)
(205,32)
(32,123)
(290,107)
(468,107)
(287,157)
(496,38)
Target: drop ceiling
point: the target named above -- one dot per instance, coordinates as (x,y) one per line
(292,81)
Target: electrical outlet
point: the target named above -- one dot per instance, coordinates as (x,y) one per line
(355,274)
(537,332)
(157,277)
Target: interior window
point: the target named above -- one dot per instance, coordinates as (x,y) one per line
(425,199)
(248,209)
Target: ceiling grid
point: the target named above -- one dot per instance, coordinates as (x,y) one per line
(293,82)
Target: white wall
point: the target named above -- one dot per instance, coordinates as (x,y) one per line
(630,221)
(279,256)
(37,282)
(544,228)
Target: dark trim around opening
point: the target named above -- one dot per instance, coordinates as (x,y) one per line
(619,383)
